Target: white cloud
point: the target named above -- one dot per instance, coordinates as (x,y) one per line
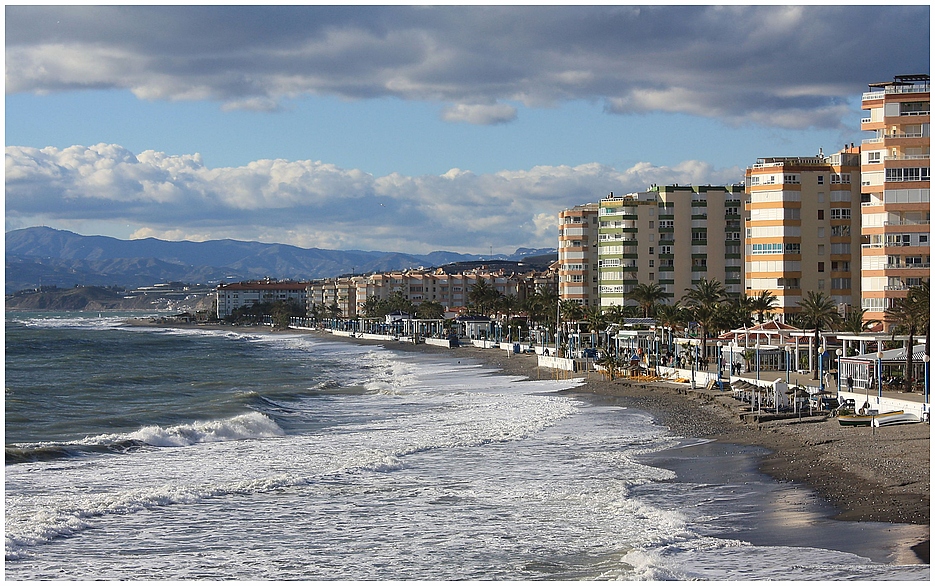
(788,66)
(312,203)
(480,113)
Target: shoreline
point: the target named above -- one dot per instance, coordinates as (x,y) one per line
(889,465)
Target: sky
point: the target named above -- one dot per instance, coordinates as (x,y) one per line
(417,128)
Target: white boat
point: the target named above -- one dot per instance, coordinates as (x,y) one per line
(894,418)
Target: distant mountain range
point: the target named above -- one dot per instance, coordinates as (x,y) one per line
(45,256)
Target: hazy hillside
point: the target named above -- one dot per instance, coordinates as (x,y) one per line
(45,256)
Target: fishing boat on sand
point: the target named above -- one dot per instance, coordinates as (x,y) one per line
(882,419)
(894,418)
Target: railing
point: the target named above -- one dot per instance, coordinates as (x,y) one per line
(896,89)
(905,157)
(915,265)
(906,222)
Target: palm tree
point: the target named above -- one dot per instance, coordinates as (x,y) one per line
(672,318)
(483,296)
(763,303)
(910,315)
(855,323)
(701,301)
(647,296)
(818,311)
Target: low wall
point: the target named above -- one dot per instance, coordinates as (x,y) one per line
(484,343)
(443,342)
(557,363)
(386,337)
(884,404)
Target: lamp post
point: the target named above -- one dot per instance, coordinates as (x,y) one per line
(821,373)
(656,341)
(880,372)
(758,360)
(694,362)
(839,353)
(720,384)
(925,390)
(788,360)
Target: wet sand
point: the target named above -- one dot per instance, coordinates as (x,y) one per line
(877,476)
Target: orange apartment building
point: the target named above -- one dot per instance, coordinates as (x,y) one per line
(577,254)
(803,228)
(895,177)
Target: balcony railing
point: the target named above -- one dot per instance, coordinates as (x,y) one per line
(906,222)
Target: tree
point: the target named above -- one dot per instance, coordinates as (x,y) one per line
(672,318)
(483,297)
(430,310)
(647,296)
(762,304)
(855,323)
(910,315)
(818,311)
(701,301)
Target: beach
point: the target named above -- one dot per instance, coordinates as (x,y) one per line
(863,474)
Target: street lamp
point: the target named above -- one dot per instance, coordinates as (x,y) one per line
(656,340)
(788,351)
(839,353)
(720,384)
(821,374)
(880,372)
(758,360)
(925,390)
(694,362)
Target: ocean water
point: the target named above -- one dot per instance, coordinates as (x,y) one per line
(172,454)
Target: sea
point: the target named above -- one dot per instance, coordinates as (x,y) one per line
(138,453)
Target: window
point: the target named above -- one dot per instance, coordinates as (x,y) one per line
(821,284)
(665,250)
(907,174)
(821,180)
(650,224)
(652,263)
(873,157)
(842,178)
(821,267)
(821,232)
(650,250)
(821,250)
(700,235)
(840,213)
(841,265)
(821,214)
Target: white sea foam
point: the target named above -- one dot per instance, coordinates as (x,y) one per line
(246,426)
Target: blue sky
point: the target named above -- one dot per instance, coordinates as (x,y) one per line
(415,128)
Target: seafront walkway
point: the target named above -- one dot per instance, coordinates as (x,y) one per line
(769,381)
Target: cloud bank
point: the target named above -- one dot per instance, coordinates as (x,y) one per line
(783,66)
(312,203)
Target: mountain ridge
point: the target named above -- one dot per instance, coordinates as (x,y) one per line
(40,256)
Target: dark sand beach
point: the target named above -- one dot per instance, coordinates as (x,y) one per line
(864,474)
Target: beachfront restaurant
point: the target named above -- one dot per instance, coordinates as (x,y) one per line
(872,370)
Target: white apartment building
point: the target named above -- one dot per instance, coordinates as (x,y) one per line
(673,236)
(235,295)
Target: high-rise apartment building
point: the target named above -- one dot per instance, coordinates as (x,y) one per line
(895,181)
(577,254)
(673,236)
(803,228)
